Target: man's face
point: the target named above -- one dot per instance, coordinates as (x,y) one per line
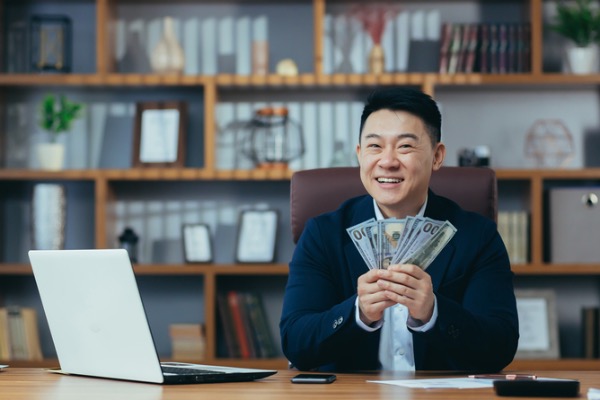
(396,160)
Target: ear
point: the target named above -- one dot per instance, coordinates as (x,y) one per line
(439,153)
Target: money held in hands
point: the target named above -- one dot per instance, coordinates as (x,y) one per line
(412,240)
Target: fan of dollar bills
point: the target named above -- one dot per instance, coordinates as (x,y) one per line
(412,240)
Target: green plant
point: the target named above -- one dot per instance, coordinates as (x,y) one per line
(579,22)
(58,116)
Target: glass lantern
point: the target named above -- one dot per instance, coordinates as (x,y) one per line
(274,139)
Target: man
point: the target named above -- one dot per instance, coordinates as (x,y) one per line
(459,314)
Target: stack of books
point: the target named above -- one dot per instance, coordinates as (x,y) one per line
(245,325)
(485,48)
(187,342)
(19,336)
(513,227)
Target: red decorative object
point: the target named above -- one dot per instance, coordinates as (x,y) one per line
(373,18)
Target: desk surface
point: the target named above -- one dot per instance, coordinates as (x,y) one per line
(32,383)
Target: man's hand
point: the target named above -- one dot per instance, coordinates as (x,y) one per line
(372,300)
(409,285)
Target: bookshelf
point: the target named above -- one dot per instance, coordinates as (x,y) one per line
(100,78)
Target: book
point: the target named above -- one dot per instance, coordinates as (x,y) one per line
(447,30)
(455,46)
(473,42)
(590,328)
(402,40)
(484,47)
(31,334)
(16,328)
(238,322)
(208,46)
(187,342)
(5,348)
(260,326)
(227,326)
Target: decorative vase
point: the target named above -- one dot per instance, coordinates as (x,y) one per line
(51,156)
(583,60)
(376,60)
(167,57)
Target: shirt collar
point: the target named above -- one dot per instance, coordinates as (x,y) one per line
(379,215)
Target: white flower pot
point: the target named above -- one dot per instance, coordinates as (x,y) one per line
(51,156)
(583,60)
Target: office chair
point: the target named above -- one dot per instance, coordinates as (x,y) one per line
(315,191)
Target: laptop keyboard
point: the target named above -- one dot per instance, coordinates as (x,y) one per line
(189,371)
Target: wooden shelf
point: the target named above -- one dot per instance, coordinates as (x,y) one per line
(162,174)
(8,269)
(302,80)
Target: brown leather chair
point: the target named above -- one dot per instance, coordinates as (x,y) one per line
(316,191)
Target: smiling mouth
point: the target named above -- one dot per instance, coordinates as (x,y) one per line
(388,180)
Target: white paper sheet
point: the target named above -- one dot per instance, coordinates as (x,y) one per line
(441,383)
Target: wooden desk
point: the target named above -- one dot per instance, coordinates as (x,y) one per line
(32,383)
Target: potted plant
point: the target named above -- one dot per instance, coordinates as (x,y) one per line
(56,117)
(579,22)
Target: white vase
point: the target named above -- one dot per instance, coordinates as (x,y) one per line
(167,57)
(51,156)
(583,60)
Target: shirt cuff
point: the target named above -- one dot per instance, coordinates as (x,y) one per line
(418,326)
(364,326)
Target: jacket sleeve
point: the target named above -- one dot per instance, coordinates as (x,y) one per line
(317,325)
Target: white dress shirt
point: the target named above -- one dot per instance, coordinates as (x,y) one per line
(396,351)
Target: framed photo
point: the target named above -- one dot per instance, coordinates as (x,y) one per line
(159,134)
(197,244)
(257,234)
(538,324)
(50,43)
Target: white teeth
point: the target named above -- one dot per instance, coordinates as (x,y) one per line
(388,180)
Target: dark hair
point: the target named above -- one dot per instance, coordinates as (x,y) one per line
(405,99)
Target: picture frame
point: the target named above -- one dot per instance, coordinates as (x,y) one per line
(538,324)
(50,43)
(257,236)
(159,134)
(197,243)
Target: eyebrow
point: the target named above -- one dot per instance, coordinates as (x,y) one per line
(399,136)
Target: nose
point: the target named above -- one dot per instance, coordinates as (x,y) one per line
(389,158)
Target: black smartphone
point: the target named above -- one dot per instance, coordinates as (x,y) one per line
(314,378)
(537,388)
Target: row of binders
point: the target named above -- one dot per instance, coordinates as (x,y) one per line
(19,336)
(245,325)
(485,48)
(513,227)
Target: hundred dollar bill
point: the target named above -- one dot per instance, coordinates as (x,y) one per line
(429,251)
(425,230)
(409,229)
(372,230)
(391,233)
(362,242)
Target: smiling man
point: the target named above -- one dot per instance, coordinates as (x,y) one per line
(459,314)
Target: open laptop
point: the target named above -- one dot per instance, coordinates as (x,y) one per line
(99,325)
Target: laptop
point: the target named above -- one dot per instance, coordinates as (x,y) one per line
(99,326)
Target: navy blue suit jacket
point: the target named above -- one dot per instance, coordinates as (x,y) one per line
(477,324)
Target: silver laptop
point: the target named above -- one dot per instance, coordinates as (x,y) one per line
(98,323)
